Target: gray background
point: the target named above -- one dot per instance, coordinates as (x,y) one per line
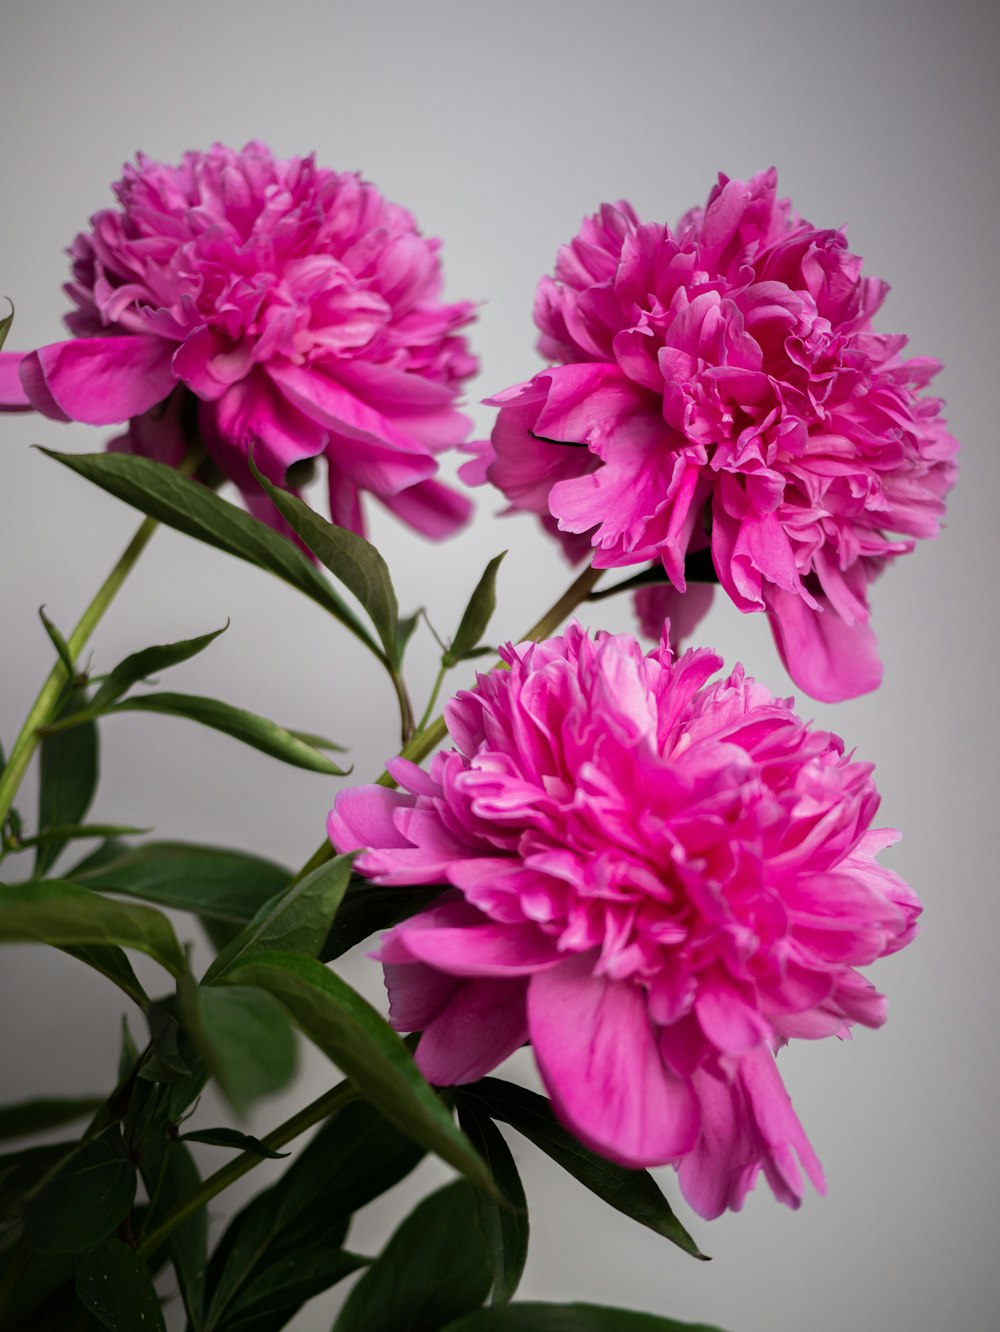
(500,125)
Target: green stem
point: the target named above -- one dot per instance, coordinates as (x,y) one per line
(405,706)
(314,1113)
(44,708)
(429,710)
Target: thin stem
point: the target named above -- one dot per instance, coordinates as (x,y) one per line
(322,1108)
(405,706)
(429,710)
(44,708)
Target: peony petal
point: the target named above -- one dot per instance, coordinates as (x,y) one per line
(99,381)
(12,395)
(481,1025)
(433,509)
(829,659)
(484,950)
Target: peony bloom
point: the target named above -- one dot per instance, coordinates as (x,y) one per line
(655,879)
(722,382)
(249,300)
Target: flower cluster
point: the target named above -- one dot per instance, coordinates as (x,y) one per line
(655,879)
(722,385)
(253,301)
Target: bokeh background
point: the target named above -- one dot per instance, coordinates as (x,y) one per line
(500,125)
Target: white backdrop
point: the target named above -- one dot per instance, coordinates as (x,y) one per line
(500,126)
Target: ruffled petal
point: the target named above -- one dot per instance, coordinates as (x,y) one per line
(99,381)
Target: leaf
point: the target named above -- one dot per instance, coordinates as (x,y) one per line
(279,1291)
(367,908)
(150,661)
(569,1318)
(433,1269)
(404,632)
(295,921)
(227,1137)
(632,1192)
(477,614)
(59,643)
(350,1032)
(112,963)
(23,1171)
(6,322)
(170,1175)
(349,557)
(85,1200)
(67,781)
(213,881)
(504,1228)
(267,736)
(67,915)
(165,1062)
(244,1038)
(116,1286)
(356,1156)
(160,491)
(43,1288)
(46,1112)
(78,832)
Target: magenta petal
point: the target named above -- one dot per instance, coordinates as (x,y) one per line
(828,658)
(599,1058)
(478,1028)
(364,816)
(99,381)
(12,395)
(430,508)
(484,950)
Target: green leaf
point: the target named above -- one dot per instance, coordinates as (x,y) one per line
(504,1228)
(632,1192)
(160,491)
(42,1296)
(433,1269)
(116,1286)
(23,1171)
(151,660)
(295,921)
(6,322)
(66,915)
(280,1289)
(112,963)
(85,1200)
(351,1033)
(356,1156)
(477,615)
(67,781)
(267,736)
(367,908)
(569,1318)
(244,1038)
(46,1112)
(170,1175)
(59,643)
(78,832)
(349,557)
(165,1061)
(404,632)
(128,1055)
(213,881)
(227,1137)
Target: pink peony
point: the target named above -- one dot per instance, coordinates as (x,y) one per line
(274,303)
(656,880)
(724,379)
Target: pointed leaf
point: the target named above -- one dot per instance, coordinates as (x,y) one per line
(404,632)
(161,492)
(67,915)
(151,660)
(116,1286)
(280,1290)
(349,557)
(170,1175)
(477,614)
(46,1112)
(243,1036)
(227,1137)
(350,1032)
(59,643)
(504,1228)
(112,962)
(165,1061)
(569,1318)
(85,1200)
(633,1192)
(23,1171)
(213,881)
(433,1269)
(67,781)
(295,921)
(78,832)
(367,908)
(6,322)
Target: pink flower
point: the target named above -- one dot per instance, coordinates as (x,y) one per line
(724,378)
(656,880)
(274,303)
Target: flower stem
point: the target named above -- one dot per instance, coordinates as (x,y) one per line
(322,1108)
(44,708)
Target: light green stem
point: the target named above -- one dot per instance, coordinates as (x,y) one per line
(44,708)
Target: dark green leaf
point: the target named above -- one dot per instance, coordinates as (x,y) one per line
(227,1137)
(354,1158)
(349,557)
(170,1175)
(244,1038)
(67,781)
(213,881)
(23,1171)
(633,1192)
(477,614)
(267,736)
(78,832)
(84,1202)
(569,1318)
(6,322)
(350,1032)
(112,962)
(116,1286)
(280,1290)
(433,1269)
(141,665)
(27,1117)
(504,1228)
(59,643)
(42,1296)
(66,915)
(367,908)
(295,921)
(165,1062)
(110,849)
(160,491)
(128,1056)
(404,632)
